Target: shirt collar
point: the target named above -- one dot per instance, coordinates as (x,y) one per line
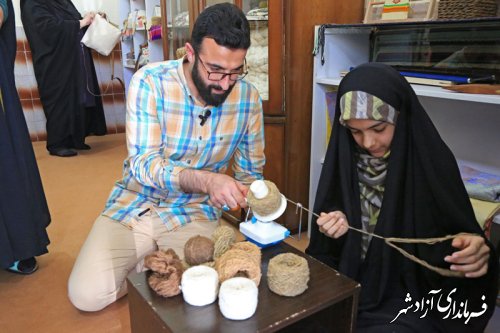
(182,77)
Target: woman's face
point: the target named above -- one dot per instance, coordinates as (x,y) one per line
(374,136)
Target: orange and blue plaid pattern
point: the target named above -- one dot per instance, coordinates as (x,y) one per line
(164,136)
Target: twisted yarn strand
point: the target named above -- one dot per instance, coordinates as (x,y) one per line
(391,240)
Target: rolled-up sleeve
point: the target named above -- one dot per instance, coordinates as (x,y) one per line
(145,143)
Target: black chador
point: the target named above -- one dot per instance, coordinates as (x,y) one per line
(64,72)
(24,214)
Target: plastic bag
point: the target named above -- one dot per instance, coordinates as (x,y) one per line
(101,35)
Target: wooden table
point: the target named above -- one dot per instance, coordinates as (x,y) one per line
(330,302)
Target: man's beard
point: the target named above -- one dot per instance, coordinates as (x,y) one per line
(205,91)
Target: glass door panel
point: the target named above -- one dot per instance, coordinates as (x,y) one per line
(177,27)
(258,54)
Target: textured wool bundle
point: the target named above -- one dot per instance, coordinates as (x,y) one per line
(223,237)
(198,250)
(167,272)
(288,274)
(267,205)
(239,263)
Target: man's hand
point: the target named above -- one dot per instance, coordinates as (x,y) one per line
(333,224)
(472,257)
(222,189)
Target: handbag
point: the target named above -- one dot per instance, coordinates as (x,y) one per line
(101,35)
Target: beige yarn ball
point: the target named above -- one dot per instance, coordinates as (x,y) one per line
(288,274)
(223,237)
(223,231)
(198,250)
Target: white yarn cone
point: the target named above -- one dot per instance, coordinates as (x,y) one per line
(238,298)
(199,285)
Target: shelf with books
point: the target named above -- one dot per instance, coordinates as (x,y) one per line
(429,91)
(137,15)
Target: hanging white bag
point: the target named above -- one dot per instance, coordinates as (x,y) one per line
(101,35)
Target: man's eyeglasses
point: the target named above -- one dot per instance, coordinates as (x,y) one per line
(218,76)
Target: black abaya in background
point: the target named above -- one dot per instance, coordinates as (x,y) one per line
(63,67)
(24,214)
(424,197)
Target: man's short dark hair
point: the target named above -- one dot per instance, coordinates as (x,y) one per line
(223,22)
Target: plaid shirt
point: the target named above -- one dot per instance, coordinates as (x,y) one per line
(164,136)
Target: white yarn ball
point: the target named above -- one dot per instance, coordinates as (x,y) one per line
(238,298)
(199,285)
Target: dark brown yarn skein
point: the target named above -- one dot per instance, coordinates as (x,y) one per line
(167,272)
(198,250)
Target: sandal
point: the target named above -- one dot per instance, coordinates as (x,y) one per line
(25,267)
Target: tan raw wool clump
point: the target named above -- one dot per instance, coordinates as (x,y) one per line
(223,237)
(198,250)
(238,263)
(166,275)
(267,205)
(288,274)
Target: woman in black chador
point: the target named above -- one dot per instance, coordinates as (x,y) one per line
(24,214)
(387,171)
(65,74)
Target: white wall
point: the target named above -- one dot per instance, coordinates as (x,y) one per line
(110,7)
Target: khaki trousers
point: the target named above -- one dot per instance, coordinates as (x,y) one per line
(112,250)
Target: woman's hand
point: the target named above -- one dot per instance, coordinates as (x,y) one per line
(472,257)
(87,19)
(333,224)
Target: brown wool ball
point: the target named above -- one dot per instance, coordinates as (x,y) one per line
(198,250)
